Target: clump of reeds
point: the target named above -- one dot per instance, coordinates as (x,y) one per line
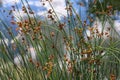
(63,50)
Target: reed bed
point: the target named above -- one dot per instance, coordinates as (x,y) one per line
(63,50)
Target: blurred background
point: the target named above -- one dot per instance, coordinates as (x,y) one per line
(82,7)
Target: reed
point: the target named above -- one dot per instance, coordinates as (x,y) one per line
(50,49)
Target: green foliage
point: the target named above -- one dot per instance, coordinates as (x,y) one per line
(103,8)
(64,51)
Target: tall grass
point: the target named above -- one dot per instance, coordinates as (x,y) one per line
(62,50)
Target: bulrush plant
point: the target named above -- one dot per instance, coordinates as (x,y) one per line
(50,49)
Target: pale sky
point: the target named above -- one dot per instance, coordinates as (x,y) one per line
(58,5)
(36,5)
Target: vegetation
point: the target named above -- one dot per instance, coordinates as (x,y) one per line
(63,50)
